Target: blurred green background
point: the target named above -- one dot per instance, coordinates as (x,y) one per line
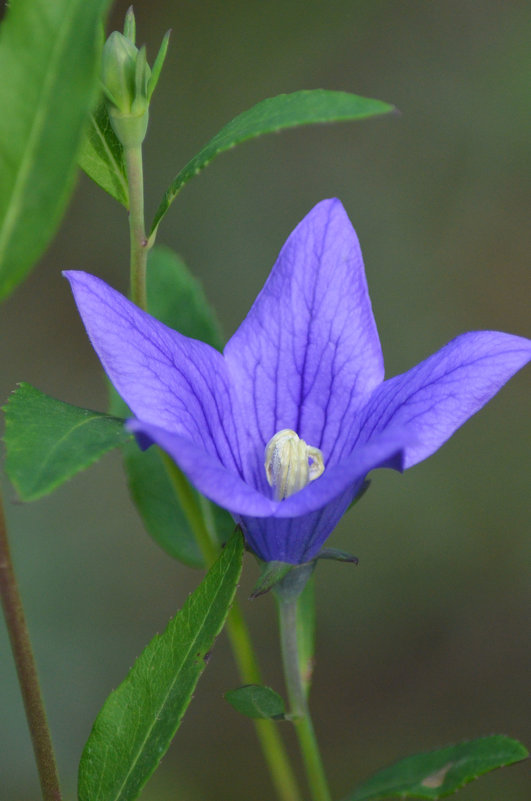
(427,641)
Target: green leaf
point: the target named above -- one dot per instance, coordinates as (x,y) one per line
(49,54)
(274,114)
(153,495)
(439,773)
(102,156)
(175,298)
(138,720)
(48,441)
(256,701)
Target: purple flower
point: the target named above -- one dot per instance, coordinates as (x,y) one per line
(303,378)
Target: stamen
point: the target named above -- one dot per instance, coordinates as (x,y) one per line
(290,463)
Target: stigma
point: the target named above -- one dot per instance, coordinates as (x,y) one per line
(290,463)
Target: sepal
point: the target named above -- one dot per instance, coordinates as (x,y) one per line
(272,573)
(290,587)
(288,580)
(337,555)
(158,64)
(363,489)
(130,25)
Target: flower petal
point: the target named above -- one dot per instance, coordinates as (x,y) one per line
(384,450)
(302,522)
(438,395)
(308,352)
(167,379)
(208,475)
(294,539)
(227,489)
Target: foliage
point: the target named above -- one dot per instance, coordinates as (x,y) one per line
(256,701)
(440,773)
(49,56)
(137,722)
(48,441)
(65,103)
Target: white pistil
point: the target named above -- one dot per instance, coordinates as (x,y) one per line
(290,463)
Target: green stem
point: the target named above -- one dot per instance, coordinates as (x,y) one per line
(300,712)
(137,231)
(272,746)
(27,670)
(199,517)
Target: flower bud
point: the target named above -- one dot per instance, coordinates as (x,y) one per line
(125,77)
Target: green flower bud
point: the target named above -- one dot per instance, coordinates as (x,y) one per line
(126,77)
(128,82)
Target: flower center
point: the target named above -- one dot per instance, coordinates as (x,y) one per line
(290,463)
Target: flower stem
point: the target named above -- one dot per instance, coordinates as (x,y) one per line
(199,515)
(201,522)
(137,231)
(200,519)
(300,713)
(26,670)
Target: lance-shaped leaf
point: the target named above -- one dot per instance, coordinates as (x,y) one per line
(256,701)
(48,441)
(49,52)
(176,298)
(137,722)
(440,773)
(102,156)
(274,114)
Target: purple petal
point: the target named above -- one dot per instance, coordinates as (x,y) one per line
(438,395)
(216,482)
(227,489)
(166,379)
(385,450)
(295,539)
(308,352)
(292,530)
(302,522)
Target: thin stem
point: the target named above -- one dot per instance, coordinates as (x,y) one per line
(300,712)
(199,515)
(137,231)
(27,670)
(271,743)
